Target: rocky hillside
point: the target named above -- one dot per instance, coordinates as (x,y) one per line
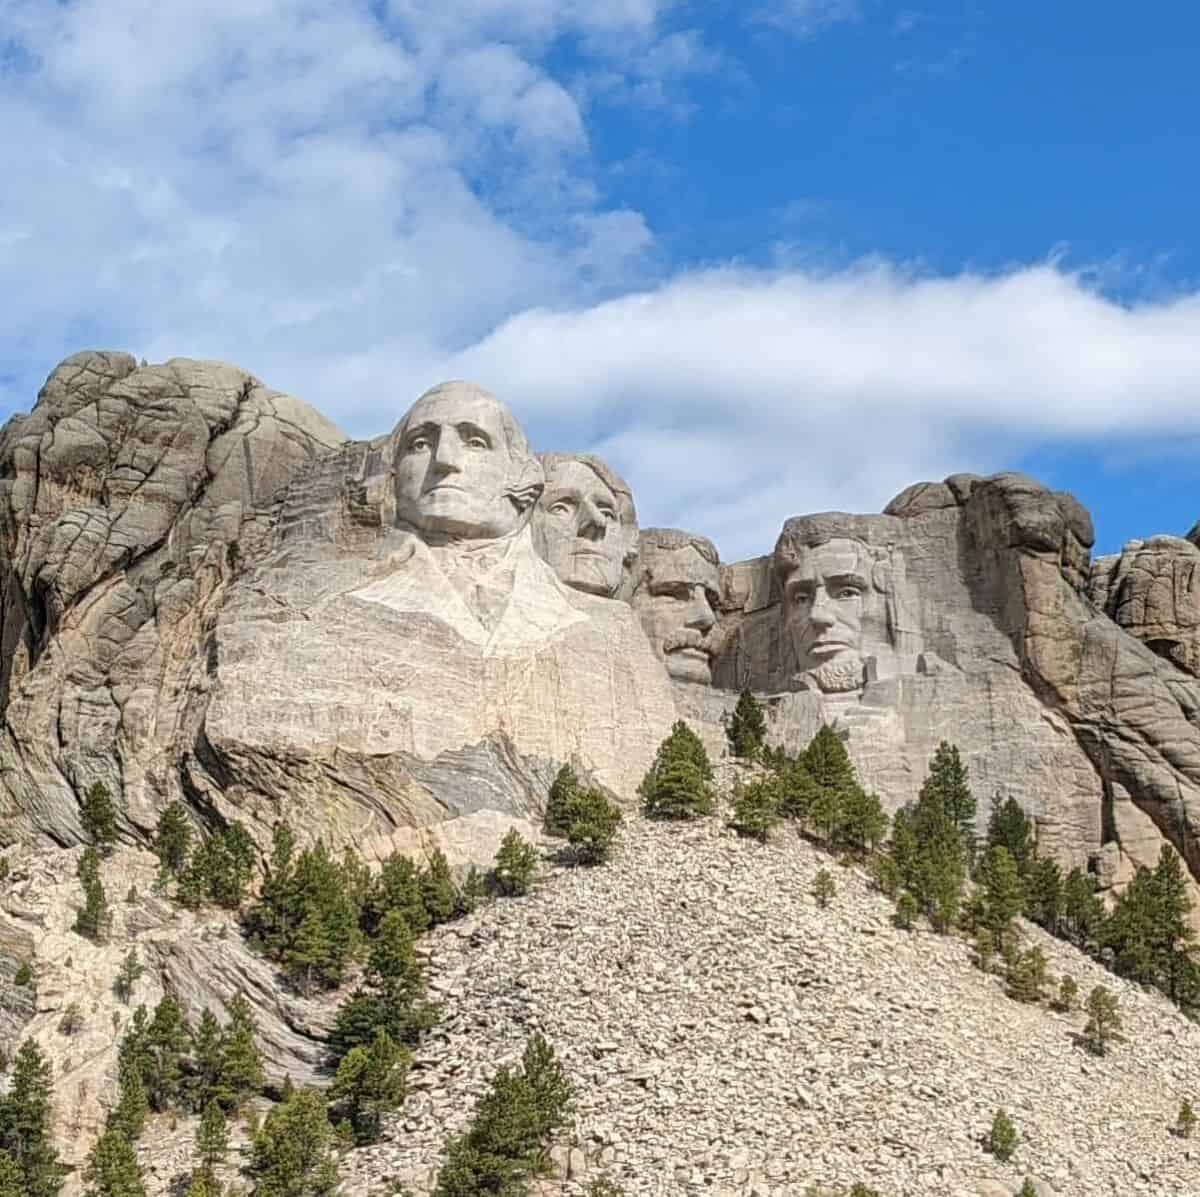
(726,1036)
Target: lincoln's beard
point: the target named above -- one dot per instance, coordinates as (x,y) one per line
(840,675)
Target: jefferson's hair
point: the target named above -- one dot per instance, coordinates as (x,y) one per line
(626,512)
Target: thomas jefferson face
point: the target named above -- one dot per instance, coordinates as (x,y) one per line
(455,467)
(676,602)
(578,532)
(825,596)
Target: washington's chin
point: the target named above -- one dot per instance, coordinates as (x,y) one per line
(689,665)
(591,575)
(446,513)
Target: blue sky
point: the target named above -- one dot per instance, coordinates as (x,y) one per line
(766,257)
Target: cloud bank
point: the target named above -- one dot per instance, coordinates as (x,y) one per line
(355,202)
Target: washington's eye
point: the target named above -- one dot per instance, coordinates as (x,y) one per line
(608,513)
(477,442)
(847,592)
(418,443)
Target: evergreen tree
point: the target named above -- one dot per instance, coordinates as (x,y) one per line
(515,864)
(242,1071)
(1044,894)
(212,1138)
(437,889)
(127,976)
(207,1062)
(112,1167)
(1003,1137)
(204,1184)
(1185,1124)
(370,1081)
(1103,1027)
(907,909)
(25,1123)
(1026,975)
(12,1181)
(886,874)
(560,801)
(939,873)
(747,727)
(230,857)
(1003,893)
(593,827)
(823,888)
(99,817)
(472,893)
(1010,827)
(167,1042)
(985,948)
(391,997)
(946,786)
(756,808)
(864,824)
(1083,914)
(310,956)
(678,784)
(1131,932)
(1068,995)
(1027,1189)
(397,887)
(1174,935)
(797,789)
(172,840)
(92,918)
(133,1105)
(292,1153)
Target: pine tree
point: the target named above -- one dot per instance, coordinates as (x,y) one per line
(392,996)
(864,824)
(437,889)
(833,784)
(167,1042)
(208,1058)
(12,1180)
(797,790)
(99,817)
(397,887)
(755,808)
(292,1153)
(133,1105)
(1131,931)
(242,1072)
(212,1138)
(823,888)
(1044,894)
(560,801)
(1003,1137)
(1185,1124)
(1083,911)
(92,918)
(678,784)
(1103,1027)
(593,827)
(1174,934)
(1027,1189)
(229,865)
(515,864)
(172,840)
(1026,975)
(747,727)
(985,949)
(112,1168)
(1010,827)
(1003,893)
(946,786)
(369,1082)
(1068,995)
(128,975)
(25,1123)
(310,955)
(907,909)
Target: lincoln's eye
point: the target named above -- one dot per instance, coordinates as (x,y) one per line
(800,597)
(847,592)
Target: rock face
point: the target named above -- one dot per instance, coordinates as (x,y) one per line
(209,595)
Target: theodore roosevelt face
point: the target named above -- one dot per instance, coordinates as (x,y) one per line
(455,465)
(677,601)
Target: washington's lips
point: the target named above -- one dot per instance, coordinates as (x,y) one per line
(686,650)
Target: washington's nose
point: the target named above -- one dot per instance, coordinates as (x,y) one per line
(447,457)
(592,525)
(700,615)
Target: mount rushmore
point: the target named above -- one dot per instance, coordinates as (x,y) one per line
(208,594)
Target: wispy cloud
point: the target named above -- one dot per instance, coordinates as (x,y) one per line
(805,18)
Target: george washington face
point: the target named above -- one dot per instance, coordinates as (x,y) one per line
(456,465)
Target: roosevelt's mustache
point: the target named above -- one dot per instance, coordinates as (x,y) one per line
(688,638)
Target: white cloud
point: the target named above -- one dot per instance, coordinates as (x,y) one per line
(805,18)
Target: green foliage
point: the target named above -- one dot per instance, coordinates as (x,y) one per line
(833,780)
(133,1106)
(212,1138)
(560,801)
(823,889)
(1027,1189)
(515,864)
(112,1167)
(168,1040)
(756,808)
(863,825)
(1003,893)
(12,1181)
(72,1020)
(472,893)
(507,1139)
(1002,1138)
(858,1189)
(396,887)
(593,827)
(1068,995)
(886,874)
(292,1153)
(92,918)
(220,869)
(907,909)
(678,784)
(746,729)
(946,787)
(242,1071)
(1185,1123)
(1104,1026)
(99,817)
(1083,912)
(370,1081)
(1010,827)
(985,948)
(24,974)
(4,869)
(127,976)
(1025,975)
(391,997)
(306,916)
(172,840)
(438,894)
(26,1120)
(1044,894)
(204,1075)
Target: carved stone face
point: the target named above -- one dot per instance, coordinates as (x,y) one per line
(676,602)
(577,529)
(825,596)
(455,466)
